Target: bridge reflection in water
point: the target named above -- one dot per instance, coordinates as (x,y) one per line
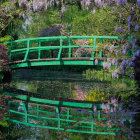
(65,115)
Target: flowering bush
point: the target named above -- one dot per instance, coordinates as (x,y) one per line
(95,95)
(4,58)
(83,52)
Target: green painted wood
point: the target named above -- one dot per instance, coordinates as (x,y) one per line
(94,48)
(39,51)
(31,48)
(58,120)
(27,52)
(49,48)
(101,53)
(54,38)
(38,110)
(70,44)
(53,102)
(68,116)
(61,46)
(55,62)
(58,117)
(25,110)
(68,130)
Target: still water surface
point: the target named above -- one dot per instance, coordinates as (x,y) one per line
(54,84)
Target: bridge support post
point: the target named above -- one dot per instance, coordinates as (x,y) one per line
(39,51)
(60,50)
(37,107)
(68,113)
(70,42)
(94,48)
(101,53)
(91,117)
(27,52)
(26,113)
(58,116)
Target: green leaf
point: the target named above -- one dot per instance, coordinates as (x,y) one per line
(4,123)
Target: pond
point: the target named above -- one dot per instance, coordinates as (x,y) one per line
(66,85)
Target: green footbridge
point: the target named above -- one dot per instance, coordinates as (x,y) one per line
(68,116)
(56,50)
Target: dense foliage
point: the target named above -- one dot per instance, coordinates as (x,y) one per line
(4,60)
(90,17)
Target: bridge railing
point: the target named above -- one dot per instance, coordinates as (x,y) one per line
(22,49)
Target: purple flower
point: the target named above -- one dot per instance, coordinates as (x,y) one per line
(118,29)
(123,72)
(133,45)
(103,106)
(105,65)
(63,9)
(113,9)
(136,27)
(113,62)
(117,52)
(131,64)
(93,11)
(123,31)
(114,74)
(108,65)
(121,2)
(122,123)
(22,3)
(109,123)
(131,76)
(137,53)
(129,19)
(124,63)
(108,59)
(132,8)
(111,110)
(138,2)
(111,49)
(87,2)
(96,62)
(95,108)
(113,100)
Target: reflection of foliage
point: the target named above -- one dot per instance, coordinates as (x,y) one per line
(95,95)
(81,95)
(97,75)
(3,111)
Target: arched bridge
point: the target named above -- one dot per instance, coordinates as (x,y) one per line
(57,50)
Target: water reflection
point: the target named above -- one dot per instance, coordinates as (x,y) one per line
(72,86)
(53,84)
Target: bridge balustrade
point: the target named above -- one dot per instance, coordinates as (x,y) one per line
(56,50)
